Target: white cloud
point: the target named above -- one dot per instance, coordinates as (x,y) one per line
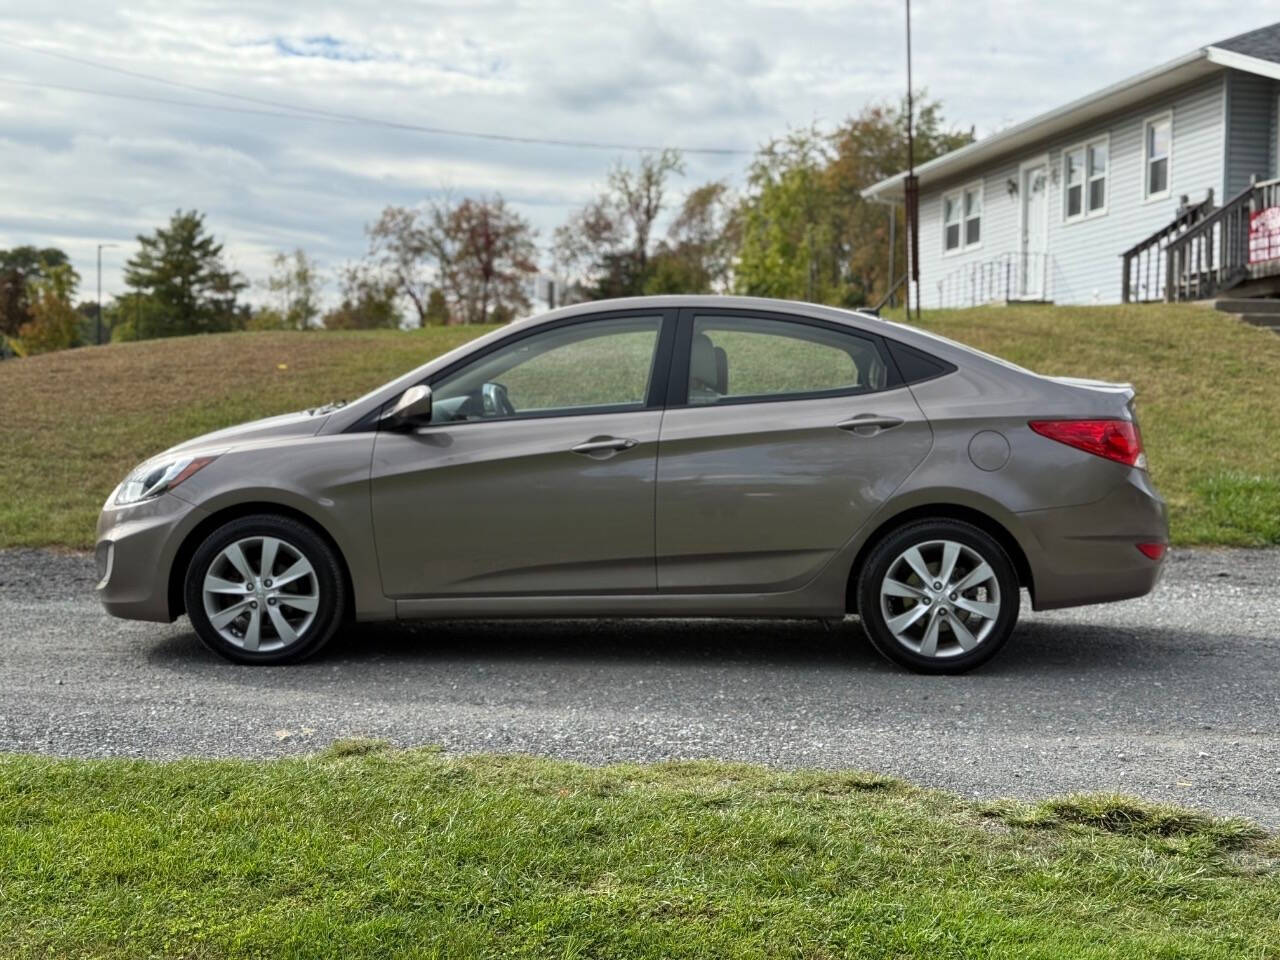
(79,170)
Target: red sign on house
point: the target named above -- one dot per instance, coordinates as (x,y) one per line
(1264,235)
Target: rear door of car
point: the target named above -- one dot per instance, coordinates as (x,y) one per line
(782,435)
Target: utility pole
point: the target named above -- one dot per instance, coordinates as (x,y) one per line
(98,338)
(911,190)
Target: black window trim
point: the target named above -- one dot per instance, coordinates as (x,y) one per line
(667,323)
(945,367)
(678,383)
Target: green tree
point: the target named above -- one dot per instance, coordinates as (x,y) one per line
(437,313)
(869,148)
(180,269)
(368,301)
(807,233)
(790,227)
(128,313)
(268,318)
(18,268)
(294,284)
(53,322)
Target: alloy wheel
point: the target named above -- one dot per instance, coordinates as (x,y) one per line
(940,598)
(261,594)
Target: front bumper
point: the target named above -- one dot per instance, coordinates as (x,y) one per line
(135,550)
(1088,553)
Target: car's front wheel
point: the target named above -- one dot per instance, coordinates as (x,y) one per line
(938,596)
(265,589)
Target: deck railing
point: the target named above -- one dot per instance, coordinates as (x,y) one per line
(1202,253)
(1214,254)
(1145,271)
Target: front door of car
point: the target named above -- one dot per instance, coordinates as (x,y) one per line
(536,473)
(780,439)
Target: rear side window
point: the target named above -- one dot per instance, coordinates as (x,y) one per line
(916,365)
(753,358)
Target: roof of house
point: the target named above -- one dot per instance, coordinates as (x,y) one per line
(1257,51)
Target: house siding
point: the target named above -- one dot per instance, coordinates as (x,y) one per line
(1251,118)
(1084,255)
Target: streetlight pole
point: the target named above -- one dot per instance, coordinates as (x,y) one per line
(98,338)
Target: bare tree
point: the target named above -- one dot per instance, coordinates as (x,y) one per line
(604,248)
(493,254)
(401,246)
(294,281)
(639,194)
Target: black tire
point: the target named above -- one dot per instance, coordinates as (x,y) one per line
(330,606)
(951,657)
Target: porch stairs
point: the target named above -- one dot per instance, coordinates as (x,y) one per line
(1260,313)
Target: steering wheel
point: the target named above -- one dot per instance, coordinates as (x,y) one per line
(495,402)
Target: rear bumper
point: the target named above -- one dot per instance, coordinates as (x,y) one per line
(1088,554)
(134,552)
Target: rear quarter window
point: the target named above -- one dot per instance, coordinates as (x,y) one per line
(916,366)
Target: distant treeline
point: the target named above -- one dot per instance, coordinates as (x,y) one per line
(798,229)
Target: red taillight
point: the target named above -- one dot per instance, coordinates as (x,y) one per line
(1116,440)
(1152,551)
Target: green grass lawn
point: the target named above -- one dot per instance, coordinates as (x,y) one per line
(73,423)
(364,851)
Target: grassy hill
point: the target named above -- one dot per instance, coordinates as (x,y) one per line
(73,423)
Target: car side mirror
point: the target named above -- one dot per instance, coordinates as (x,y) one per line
(411,410)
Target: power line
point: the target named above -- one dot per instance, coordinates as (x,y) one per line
(310,113)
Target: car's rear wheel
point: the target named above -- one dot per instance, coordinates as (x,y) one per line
(265,589)
(938,596)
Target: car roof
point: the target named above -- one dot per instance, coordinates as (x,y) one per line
(858,319)
(675,301)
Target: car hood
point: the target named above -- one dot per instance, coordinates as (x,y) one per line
(301,424)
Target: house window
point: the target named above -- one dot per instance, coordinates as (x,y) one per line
(1084,174)
(962,219)
(1157,147)
(951,222)
(972,216)
(1098,176)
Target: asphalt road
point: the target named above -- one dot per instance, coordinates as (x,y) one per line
(1174,697)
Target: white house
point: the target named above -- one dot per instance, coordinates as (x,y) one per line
(1170,167)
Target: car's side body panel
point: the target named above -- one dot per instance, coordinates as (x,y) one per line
(506,507)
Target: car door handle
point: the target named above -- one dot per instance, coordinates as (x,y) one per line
(604,445)
(869,424)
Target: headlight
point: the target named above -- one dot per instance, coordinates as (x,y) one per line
(156,477)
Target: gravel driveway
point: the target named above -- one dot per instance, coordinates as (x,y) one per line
(1173,697)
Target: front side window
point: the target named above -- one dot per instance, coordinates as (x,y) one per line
(1158,141)
(740,358)
(598,365)
(1084,175)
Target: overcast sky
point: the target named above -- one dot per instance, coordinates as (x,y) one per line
(78,169)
